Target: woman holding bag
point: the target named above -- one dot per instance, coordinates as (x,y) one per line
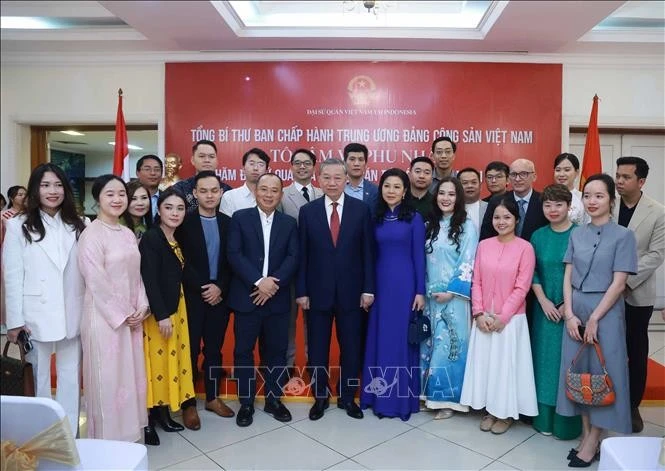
(599,258)
(43,285)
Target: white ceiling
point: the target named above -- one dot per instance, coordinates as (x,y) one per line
(526,27)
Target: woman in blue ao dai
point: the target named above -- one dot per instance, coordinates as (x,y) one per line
(450,250)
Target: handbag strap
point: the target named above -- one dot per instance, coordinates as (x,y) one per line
(6,351)
(599,353)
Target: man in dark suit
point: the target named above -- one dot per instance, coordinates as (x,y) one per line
(522,175)
(206,275)
(335,281)
(357,186)
(263,253)
(149,172)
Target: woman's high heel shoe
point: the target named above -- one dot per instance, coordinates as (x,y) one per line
(163,418)
(150,436)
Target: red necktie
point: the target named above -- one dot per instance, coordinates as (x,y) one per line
(334,224)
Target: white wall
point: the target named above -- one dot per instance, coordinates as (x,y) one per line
(84,91)
(42,94)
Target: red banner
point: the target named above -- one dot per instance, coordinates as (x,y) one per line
(494,111)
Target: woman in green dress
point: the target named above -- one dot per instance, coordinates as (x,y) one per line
(550,243)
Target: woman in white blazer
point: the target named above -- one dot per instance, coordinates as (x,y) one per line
(43,287)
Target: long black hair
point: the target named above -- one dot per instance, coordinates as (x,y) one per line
(126,218)
(170,191)
(456,221)
(406,210)
(33,222)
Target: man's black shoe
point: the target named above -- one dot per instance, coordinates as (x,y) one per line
(245,416)
(316,412)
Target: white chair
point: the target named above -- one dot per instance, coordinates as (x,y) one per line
(631,453)
(21,418)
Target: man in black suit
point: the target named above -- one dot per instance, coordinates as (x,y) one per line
(149,171)
(206,275)
(263,253)
(522,175)
(335,281)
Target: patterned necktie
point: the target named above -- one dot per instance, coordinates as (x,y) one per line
(334,224)
(521,204)
(305,193)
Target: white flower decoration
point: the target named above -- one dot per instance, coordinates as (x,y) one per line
(466,271)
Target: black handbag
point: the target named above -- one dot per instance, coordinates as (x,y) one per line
(420,328)
(17,378)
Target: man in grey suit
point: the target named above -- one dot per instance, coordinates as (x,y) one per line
(475,207)
(296,195)
(646,218)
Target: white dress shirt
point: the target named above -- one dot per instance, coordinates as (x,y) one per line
(238,198)
(310,189)
(473,213)
(329,207)
(266,225)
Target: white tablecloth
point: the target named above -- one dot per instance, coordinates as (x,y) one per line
(630,453)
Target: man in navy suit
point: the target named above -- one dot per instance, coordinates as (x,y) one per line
(522,175)
(357,186)
(263,253)
(335,281)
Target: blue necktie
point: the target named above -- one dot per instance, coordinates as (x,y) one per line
(521,204)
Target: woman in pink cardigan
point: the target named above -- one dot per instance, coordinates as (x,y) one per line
(499,368)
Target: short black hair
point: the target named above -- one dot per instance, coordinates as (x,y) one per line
(355,147)
(204,142)
(206,174)
(309,153)
(423,159)
(641,165)
(261,154)
(444,138)
(469,169)
(101,181)
(139,163)
(498,166)
(572,158)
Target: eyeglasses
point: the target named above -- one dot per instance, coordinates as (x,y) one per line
(521,175)
(302,163)
(494,178)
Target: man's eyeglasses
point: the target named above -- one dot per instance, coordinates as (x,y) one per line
(302,163)
(520,175)
(494,178)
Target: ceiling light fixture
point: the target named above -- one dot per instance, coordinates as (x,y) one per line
(129,146)
(71,132)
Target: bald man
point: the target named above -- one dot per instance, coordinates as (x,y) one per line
(522,175)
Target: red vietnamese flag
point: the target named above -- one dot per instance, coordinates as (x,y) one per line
(591,163)
(121,153)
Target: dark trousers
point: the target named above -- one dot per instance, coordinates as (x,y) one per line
(207,323)
(350,327)
(637,345)
(273,329)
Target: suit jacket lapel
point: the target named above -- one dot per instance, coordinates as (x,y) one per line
(198,233)
(642,211)
(323,220)
(256,222)
(49,244)
(295,196)
(274,230)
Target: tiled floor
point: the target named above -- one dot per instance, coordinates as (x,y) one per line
(337,442)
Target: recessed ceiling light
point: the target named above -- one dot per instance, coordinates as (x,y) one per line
(24,22)
(130,146)
(72,133)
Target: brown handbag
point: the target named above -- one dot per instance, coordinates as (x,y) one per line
(589,389)
(17,378)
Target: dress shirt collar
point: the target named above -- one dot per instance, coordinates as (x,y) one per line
(340,201)
(526,198)
(53,221)
(265,218)
(246,192)
(299,187)
(360,187)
